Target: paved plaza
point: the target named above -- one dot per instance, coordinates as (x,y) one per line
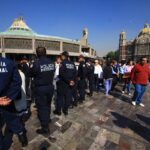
(100,123)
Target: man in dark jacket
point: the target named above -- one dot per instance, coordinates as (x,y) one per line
(67,76)
(108,77)
(82,74)
(90,76)
(115,72)
(10,91)
(43,73)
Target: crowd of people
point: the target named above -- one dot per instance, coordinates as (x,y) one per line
(64,82)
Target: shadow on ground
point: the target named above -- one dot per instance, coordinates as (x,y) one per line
(124,122)
(146,120)
(121,97)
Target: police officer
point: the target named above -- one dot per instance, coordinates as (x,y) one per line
(82,73)
(43,73)
(67,75)
(90,76)
(10,91)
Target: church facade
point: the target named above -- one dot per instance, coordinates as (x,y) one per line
(136,48)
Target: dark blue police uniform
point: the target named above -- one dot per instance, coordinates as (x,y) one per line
(43,72)
(90,76)
(10,86)
(74,101)
(67,73)
(82,74)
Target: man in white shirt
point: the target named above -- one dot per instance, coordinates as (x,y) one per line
(98,72)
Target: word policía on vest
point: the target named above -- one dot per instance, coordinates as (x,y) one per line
(47,67)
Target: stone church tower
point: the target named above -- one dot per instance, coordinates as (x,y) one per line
(84,39)
(122,46)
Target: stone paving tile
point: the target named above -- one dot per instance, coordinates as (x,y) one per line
(95,146)
(135,145)
(64,138)
(84,144)
(124,143)
(111,146)
(92,132)
(93,111)
(71,145)
(54,147)
(147,147)
(101,138)
(89,103)
(113,137)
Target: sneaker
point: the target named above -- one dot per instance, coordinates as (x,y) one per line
(142,105)
(134,103)
(123,92)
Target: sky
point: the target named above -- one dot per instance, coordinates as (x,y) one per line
(105,19)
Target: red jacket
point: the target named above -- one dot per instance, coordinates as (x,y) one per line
(140,74)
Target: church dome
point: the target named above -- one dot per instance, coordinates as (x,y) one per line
(19,27)
(146,29)
(19,23)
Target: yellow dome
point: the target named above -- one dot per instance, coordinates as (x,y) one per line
(19,23)
(123,32)
(146,29)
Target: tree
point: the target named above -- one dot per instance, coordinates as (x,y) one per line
(112,55)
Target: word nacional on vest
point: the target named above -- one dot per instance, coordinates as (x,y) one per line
(3,67)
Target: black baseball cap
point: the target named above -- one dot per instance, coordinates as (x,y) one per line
(81,56)
(65,53)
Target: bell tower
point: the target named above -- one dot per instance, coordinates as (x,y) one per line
(122,45)
(84,39)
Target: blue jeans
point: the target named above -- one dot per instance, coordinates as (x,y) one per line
(128,87)
(139,92)
(108,85)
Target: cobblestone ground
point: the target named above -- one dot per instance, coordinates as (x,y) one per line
(100,123)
